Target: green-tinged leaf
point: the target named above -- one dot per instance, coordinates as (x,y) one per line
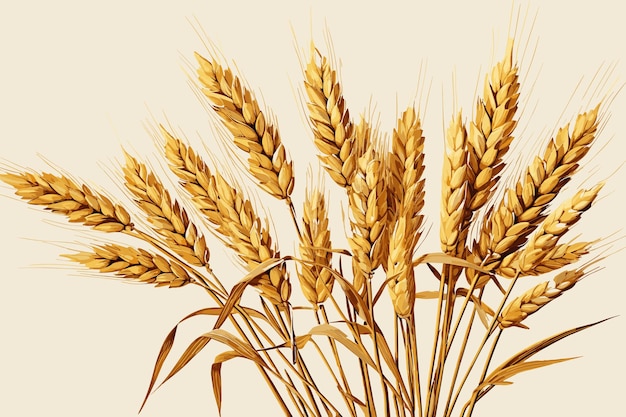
(216,375)
(335,333)
(238,289)
(219,335)
(442,258)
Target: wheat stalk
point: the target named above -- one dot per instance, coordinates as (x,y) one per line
(78,203)
(232,215)
(556,258)
(454,190)
(367,200)
(539,247)
(537,297)
(515,217)
(252,131)
(136,264)
(490,133)
(332,128)
(316,277)
(166,215)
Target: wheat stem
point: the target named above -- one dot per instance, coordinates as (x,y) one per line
(457,367)
(488,333)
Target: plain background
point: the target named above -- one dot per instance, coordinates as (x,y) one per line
(79,80)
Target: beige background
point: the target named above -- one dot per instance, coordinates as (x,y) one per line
(78,80)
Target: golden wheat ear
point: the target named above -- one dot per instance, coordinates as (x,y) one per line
(135,264)
(538,250)
(454,189)
(537,297)
(405,190)
(165,214)
(330,120)
(232,216)
(315,275)
(367,201)
(509,224)
(490,133)
(252,131)
(78,203)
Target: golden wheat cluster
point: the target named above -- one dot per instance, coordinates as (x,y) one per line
(520,234)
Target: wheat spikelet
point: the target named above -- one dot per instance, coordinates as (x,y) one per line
(252,132)
(79,204)
(166,216)
(136,264)
(316,279)
(233,216)
(489,135)
(367,200)
(332,127)
(537,297)
(515,217)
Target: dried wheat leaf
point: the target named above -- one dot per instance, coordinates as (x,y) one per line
(219,335)
(238,289)
(216,375)
(427,295)
(501,376)
(333,332)
(166,347)
(442,258)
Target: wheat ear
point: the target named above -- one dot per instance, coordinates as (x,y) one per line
(537,297)
(406,182)
(316,278)
(515,217)
(454,190)
(490,133)
(136,264)
(405,200)
(367,200)
(166,216)
(540,246)
(556,258)
(252,131)
(332,128)
(78,203)
(233,216)
(400,273)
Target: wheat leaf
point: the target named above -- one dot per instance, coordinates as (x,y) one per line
(219,335)
(216,375)
(335,333)
(238,289)
(166,347)
(443,258)
(501,376)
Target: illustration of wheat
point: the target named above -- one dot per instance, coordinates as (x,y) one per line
(520,234)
